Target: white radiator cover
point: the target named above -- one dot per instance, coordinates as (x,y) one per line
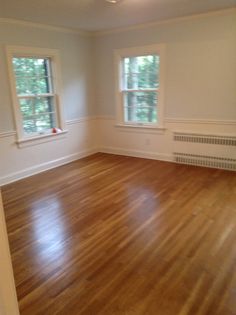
(209,150)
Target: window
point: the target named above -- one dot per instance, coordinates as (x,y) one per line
(140,86)
(34,79)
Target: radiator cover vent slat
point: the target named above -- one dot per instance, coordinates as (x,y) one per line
(205,150)
(204,160)
(203,138)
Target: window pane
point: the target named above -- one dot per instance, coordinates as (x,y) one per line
(140,115)
(29,86)
(44,122)
(40,123)
(30,66)
(141,72)
(32,75)
(140,106)
(140,99)
(26,106)
(29,126)
(44,105)
(37,105)
(38,114)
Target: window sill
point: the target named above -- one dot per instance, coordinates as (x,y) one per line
(30,141)
(141,128)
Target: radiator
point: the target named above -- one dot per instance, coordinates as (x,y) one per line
(217,151)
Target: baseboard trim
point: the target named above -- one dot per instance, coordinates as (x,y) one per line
(45,166)
(138,153)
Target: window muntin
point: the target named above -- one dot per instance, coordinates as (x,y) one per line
(140,87)
(35,94)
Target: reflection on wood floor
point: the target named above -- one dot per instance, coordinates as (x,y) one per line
(119,235)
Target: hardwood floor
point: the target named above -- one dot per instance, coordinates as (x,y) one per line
(119,235)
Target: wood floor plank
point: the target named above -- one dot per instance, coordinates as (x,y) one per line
(126,236)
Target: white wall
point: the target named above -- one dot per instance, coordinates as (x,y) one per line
(8,300)
(200,97)
(201,66)
(200,93)
(18,162)
(76,53)
(76,62)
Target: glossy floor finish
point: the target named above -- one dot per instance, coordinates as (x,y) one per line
(120,235)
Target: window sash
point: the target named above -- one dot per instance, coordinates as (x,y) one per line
(49,119)
(35,116)
(152,110)
(134,115)
(35,95)
(36,69)
(133,76)
(140,90)
(48,99)
(29,117)
(126,66)
(31,82)
(140,108)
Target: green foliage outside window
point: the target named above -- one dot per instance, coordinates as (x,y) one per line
(34,91)
(141,77)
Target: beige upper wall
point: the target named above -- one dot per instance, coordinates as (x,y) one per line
(201,66)
(76,61)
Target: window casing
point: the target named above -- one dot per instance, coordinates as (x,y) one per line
(140,86)
(35,85)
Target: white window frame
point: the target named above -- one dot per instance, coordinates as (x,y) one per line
(34,52)
(119,55)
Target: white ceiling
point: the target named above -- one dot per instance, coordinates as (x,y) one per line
(95,15)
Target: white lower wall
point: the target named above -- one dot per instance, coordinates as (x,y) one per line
(8,299)
(17,163)
(90,135)
(148,143)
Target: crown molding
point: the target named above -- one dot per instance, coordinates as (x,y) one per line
(165,21)
(116,30)
(45,26)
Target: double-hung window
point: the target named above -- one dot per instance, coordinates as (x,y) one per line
(35,88)
(140,87)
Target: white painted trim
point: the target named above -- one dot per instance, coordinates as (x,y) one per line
(138,153)
(11,133)
(183,121)
(55,63)
(8,298)
(45,166)
(5,134)
(200,121)
(119,54)
(80,120)
(26,142)
(45,26)
(140,129)
(166,21)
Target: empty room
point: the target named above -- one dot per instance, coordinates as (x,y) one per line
(118,157)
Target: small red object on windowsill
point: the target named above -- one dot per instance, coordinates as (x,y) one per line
(54,130)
